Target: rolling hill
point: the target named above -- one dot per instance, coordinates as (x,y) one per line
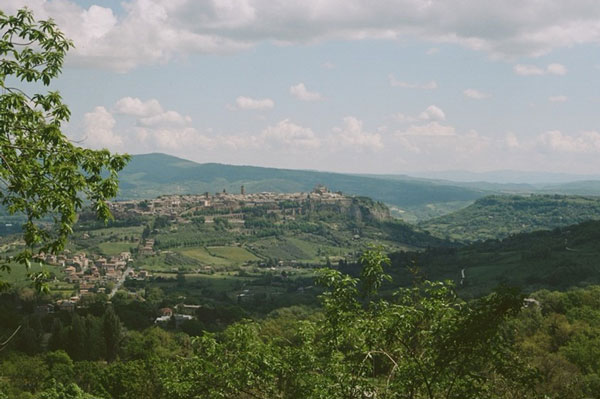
(151,175)
(500,216)
(556,259)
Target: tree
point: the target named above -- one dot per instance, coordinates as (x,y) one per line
(42,173)
(28,341)
(68,391)
(112,333)
(60,366)
(77,337)
(423,342)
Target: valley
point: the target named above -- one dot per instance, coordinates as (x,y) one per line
(299,200)
(189,265)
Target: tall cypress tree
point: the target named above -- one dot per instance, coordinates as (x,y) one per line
(95,345)
(112,333)
(77,338)
(57,332)
(28,340)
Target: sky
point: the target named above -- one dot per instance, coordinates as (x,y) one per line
(361,86)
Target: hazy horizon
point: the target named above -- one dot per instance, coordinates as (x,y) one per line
(503,176)
(394,87)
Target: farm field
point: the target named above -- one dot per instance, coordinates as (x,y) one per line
(18,273)
(114,248)
(233,254)
(203,256)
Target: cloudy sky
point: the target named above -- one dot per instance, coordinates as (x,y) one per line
(385,86)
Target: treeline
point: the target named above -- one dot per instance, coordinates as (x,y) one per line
(555,259)
(357,345)
(423,342)
(499,216)
(84,337)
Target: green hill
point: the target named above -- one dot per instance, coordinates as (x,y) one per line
(499,216)
(557,259)
(151,175)
(583,187)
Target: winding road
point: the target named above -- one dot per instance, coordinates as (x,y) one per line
(120,282)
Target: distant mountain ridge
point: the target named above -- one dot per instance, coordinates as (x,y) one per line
(151,175)
(411,198)
(507,177)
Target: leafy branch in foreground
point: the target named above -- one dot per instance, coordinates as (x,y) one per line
(424,342)
(42,173)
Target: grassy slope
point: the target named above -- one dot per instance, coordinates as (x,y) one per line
(500,216)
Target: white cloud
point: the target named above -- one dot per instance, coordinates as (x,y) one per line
(151,31)
(475,94)
(249,103)
(426,142)
(434,129)
(557,99)
(302,93)
(533,70)
(172,138)
(585,142)
(436,140)
(328,65)
(527,70)
(431,113)
(136,107)
(98,130)
(556,69)
(408,144)
(434,113)
(98,20)
(403,118)
(154,130)
(352,135)
(288,135)
(432,51)
(407,85)
(149,113)
(512,141)
(165,118)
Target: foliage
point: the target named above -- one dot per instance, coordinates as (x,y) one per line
(499,216)
(60,391)
(557,259)
(426,343)
(112,333)
(560,336)
(42,173)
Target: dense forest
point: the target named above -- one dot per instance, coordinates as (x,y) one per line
(422,342)
(551,259)
(499,216)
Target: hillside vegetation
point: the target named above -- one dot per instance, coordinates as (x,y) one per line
(558,259)
(497,216)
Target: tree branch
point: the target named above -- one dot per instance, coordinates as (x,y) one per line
(5,343)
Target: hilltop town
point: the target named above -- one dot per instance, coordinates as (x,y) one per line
(89,269)
(235,208)
(228,204)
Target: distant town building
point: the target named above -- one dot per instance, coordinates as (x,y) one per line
(320,189)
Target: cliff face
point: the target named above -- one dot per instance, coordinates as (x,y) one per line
(360,209)
(365,209)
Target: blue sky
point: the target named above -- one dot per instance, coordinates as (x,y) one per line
(352,86)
